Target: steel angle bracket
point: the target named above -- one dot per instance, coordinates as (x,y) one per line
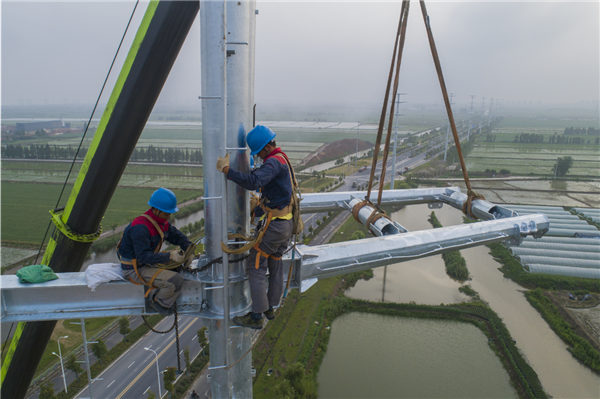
(329,260)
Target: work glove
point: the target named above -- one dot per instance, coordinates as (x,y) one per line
(177,255)
(253,202)
(222,163)
(189,261)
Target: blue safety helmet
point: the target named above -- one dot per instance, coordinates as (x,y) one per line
(164,200)
(258,138)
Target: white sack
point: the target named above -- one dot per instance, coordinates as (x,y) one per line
(99,273)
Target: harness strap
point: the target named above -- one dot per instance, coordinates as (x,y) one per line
(134,261)
(257,240)
(160,232)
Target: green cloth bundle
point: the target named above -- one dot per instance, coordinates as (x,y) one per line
(36,274)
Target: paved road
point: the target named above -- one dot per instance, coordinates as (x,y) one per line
(135,372)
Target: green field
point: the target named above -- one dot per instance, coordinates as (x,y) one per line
(135,175)
(532,158)
(25,208)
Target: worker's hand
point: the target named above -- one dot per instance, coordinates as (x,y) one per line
(222,163)
(253,203)
(177,255)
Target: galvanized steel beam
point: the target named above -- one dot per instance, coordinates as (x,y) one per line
(69,296)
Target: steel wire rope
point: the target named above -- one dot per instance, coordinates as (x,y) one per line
(87,126)
(386,148)
(78,148)
(471,195)
(384,108)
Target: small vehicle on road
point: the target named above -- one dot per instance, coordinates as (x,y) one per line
(363,168)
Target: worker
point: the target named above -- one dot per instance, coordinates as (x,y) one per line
(273,180)
(139,251)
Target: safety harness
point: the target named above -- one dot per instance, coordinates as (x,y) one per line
(270,214)
(162,266)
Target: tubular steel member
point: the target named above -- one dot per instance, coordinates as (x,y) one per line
(378,224)
(228,97)
(69,296)
(153,52)
(329,260)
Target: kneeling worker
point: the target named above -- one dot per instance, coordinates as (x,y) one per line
(274,180)
(139,251)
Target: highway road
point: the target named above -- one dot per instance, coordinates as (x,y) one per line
(135,372)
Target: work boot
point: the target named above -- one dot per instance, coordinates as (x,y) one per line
(270,314)
(151,303)
(248,321)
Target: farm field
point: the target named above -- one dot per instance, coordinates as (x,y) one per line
(13,255)
(493,192)
(25,208)
(135,175)
(533,158)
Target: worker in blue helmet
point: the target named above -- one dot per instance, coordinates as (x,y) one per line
(273,179)
(139,252)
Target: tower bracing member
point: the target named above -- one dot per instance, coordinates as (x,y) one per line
(141,259)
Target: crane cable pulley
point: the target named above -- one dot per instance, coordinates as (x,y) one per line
(398,48)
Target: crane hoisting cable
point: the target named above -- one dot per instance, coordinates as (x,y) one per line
(398,48)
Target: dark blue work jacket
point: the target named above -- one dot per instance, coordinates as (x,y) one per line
(273,177)
(140,240)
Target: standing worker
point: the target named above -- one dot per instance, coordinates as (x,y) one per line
(273,178)
(139,253)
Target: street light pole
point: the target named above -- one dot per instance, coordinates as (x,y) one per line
(157,370)
(62,367)
(61,360)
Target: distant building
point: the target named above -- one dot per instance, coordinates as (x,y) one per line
(28,126)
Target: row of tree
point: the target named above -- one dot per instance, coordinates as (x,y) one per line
(576,131)
(149,154)
(168,155)
(41,151)
(529,138)
(571,140)
(490,137)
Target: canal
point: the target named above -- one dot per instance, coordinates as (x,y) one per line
(394,347)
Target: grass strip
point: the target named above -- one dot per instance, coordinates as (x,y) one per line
(456,266)
(579,347)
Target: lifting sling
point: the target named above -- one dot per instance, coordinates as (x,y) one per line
(399,45)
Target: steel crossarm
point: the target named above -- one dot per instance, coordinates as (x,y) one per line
(436,197)
(70,297)
(329,260)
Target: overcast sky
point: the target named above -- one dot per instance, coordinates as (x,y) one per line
(316,52)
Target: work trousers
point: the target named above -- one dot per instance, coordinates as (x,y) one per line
(168,283)
(275,241)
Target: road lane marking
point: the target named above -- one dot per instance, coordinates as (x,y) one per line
(131,364)
(150,364)
(113,383)
(147,389)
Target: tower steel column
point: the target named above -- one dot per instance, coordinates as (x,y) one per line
(147,66)
(227,54)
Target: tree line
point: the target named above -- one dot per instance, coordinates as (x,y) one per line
(149,154)
(529,138)
(576,131)
(41,151)
(571,140)
(167,155)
